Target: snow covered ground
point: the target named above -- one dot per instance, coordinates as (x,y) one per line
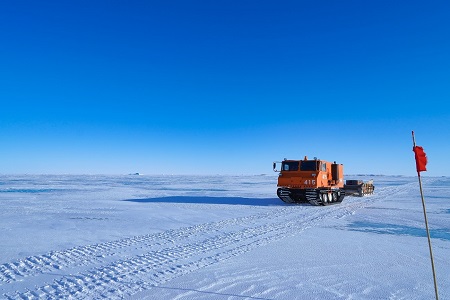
(217,237)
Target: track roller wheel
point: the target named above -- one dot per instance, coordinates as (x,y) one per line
(324,199)
(334,197)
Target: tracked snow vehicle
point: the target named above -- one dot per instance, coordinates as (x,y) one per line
(315,181)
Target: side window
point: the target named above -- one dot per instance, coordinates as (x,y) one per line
(324,167)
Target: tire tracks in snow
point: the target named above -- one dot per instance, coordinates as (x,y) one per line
(121,268)
(98,253)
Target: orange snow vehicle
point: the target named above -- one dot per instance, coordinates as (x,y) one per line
(316,181)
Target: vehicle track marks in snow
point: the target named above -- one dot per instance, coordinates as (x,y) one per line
(160,266)
(121,268)
(98,253)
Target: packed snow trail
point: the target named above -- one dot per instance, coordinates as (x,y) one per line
(124,267)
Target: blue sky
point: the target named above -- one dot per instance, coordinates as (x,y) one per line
(222,87)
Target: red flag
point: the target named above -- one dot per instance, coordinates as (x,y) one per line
(421,159)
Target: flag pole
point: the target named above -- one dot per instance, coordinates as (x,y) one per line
(426,226)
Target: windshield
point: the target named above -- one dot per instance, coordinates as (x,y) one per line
(289,166)
(308,165)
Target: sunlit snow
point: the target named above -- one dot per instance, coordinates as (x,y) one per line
(217,237)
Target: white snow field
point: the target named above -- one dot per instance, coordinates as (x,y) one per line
(217,237)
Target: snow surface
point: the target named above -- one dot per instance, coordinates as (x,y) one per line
(217,237)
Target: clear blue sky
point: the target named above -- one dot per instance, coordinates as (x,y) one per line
(222,87)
